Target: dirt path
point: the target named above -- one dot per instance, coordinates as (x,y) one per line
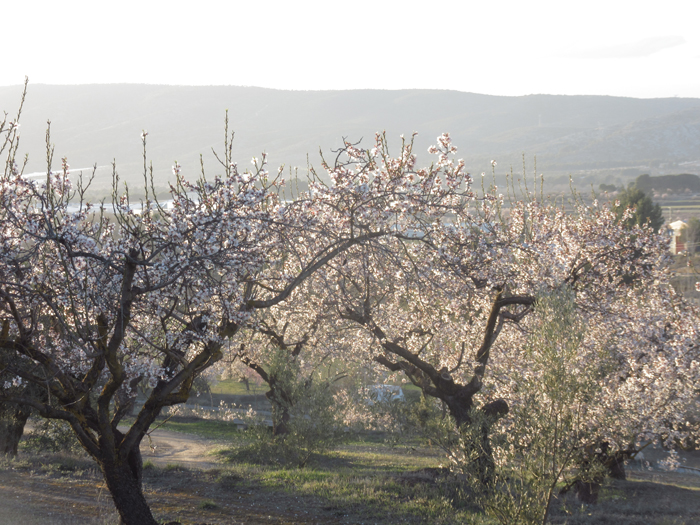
(164,447)
(54,499)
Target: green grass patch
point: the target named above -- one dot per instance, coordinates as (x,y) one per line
(372,482)
(208,505)
(206,428)
(369,479)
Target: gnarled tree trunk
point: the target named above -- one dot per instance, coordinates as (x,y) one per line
(12,421)
(124,481)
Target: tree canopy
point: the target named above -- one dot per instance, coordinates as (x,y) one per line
(643,209)
(668,183)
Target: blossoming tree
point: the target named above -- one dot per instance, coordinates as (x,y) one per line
(448,306)
(95,300)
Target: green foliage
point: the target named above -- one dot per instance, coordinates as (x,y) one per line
(305,407)
(544,438)
(690,235)
(645,211)
(201,387)
(52,435)
(387,416)
(668,183)
(539,444)
(208,505)
(608,187)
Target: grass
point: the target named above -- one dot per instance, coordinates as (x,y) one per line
(369,480)
(640,499)
(207,505)
(365,480)
(58,464)
(206,428)
(372,482)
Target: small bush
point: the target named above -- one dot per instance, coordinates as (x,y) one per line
(314,424)
(229,480)
(51,435)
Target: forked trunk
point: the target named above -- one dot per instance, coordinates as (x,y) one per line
(477,432)
(124,483)
(12,423)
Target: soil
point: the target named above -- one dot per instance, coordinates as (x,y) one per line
(188,489)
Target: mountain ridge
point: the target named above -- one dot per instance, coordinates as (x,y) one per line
(96,123)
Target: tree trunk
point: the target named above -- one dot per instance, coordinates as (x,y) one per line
(460,407)
(281,403)
(124,483)
(12,421)
(280,420)
(587,491)
(616,466)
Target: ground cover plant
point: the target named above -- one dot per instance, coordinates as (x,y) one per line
(379,265)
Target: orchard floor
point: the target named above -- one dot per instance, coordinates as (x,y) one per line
(34,498)
(184,483)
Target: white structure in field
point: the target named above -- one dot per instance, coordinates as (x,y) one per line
(384,394)
(677,245)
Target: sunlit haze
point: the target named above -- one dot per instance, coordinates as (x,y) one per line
(610,47)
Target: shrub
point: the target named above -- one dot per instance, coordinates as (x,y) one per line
(52,435)
(305,407)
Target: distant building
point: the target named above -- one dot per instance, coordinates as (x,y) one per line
(677,245)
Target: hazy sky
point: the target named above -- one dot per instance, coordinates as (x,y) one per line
(609,47)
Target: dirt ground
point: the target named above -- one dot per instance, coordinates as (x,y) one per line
(191,489)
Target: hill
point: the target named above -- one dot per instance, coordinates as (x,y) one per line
(98,123)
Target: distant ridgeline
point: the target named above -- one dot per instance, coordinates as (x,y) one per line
(669,183)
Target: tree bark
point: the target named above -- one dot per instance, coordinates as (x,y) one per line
(587,491)
(460,407)
(281,403)
(616,466)
(280,423)
(12,421)
(124,483)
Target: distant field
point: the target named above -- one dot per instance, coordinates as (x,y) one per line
(238,388)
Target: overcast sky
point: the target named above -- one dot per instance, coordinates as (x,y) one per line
(610,47)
